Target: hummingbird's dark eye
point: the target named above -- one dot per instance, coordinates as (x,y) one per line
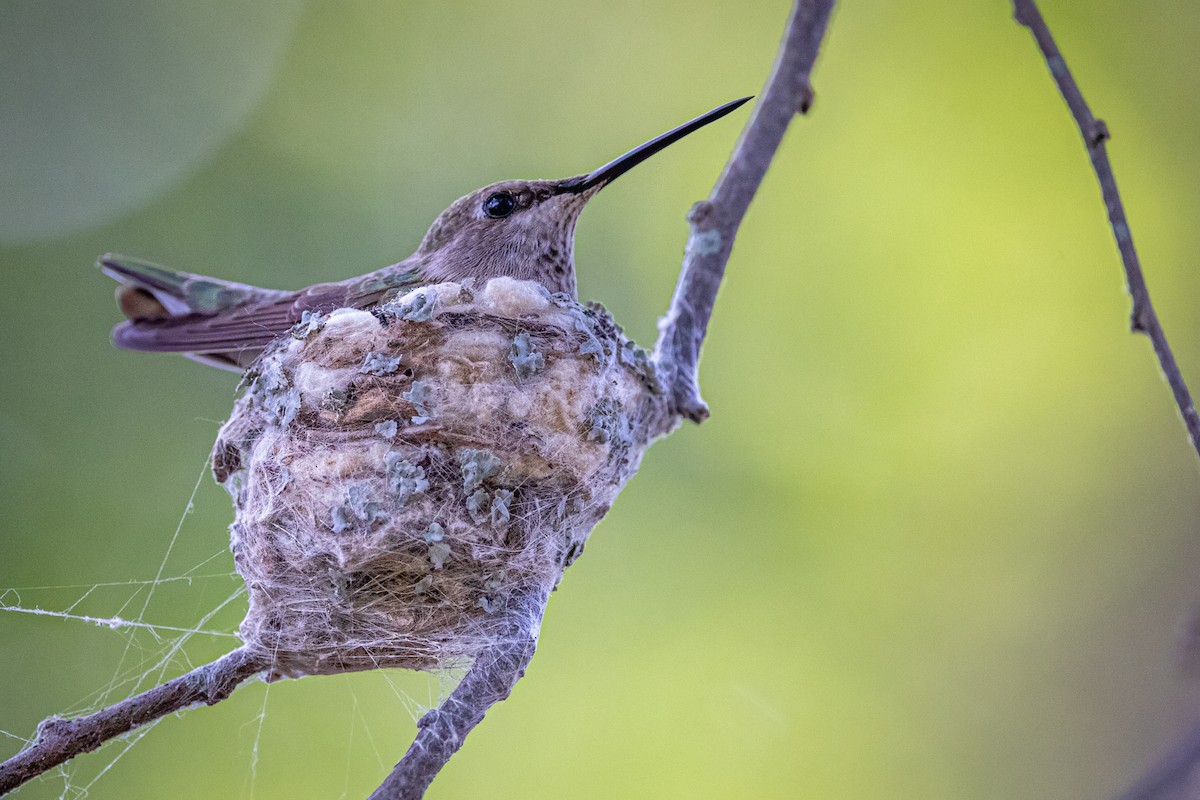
(499,205)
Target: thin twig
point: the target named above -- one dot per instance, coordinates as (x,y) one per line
(715,221)
(1173,775)
(441,732)
(1170,776)
(1095,133)
(60,739)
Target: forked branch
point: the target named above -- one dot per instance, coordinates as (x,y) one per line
(441,732)
(715,221)
(61,739)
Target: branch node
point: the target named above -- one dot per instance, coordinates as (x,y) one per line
(807,98)
(1021,13)
(1098,133)
(701,214)
(429,718)
(714,222)
(1138,323)
(52,727)
(694,408)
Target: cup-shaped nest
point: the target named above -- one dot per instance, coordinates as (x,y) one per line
(399,473)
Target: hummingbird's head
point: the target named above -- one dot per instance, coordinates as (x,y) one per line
(526,229)
(521,229)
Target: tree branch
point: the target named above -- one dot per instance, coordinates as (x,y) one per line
(1173,776)
(60,739)
(1095,132)
(441,732)
(715,221)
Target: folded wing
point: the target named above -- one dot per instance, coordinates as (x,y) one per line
(222,323)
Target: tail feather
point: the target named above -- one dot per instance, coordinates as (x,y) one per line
(136,272)
(216,322)
(224,323)
(181,293)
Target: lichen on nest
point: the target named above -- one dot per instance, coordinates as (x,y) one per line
(397,474)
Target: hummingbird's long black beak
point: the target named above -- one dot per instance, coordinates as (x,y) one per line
(622,164)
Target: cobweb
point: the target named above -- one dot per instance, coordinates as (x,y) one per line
(157,638)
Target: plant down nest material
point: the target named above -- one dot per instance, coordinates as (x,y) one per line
(398,474)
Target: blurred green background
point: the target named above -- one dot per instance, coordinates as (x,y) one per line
(938,539)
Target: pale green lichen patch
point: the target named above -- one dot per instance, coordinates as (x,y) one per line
(493,509)
(387,429)
(419,395)
(358,508)
(404,478)
(415,306)
(310,322)
(492,588)
(477,466)
(343,519)
(284,406)
(439,554)
(379,364)
(640,362)
(524,357)
(633,356)
(270,378)
(439,549)
(365,509)
(499,514)
(607,422)
(278,395)
(479,506)
(705,243)
(591,346)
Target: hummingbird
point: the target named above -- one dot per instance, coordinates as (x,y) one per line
(519,229)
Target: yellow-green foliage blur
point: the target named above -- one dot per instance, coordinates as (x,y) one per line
(939,538)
